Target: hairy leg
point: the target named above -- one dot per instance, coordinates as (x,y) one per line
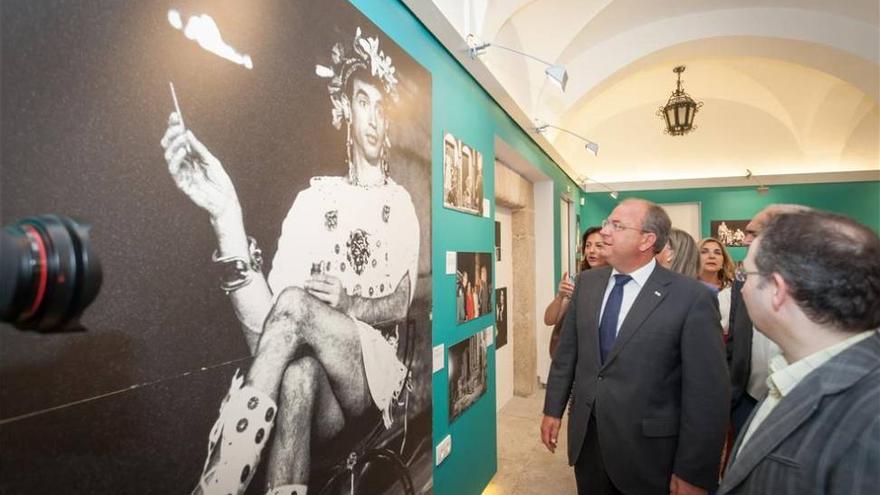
(298,319)
(307,411)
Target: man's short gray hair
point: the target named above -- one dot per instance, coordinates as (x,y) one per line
(656,222)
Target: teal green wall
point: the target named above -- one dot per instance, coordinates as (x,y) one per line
(462,107)
(859,200)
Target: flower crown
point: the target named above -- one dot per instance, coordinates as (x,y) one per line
(364,54)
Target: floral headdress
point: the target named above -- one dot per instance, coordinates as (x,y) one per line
(363,54)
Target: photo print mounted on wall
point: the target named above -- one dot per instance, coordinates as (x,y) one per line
(473,285)
(468,373)
(500,317)
(729,232)
(497,241)
(298,209)
(462,176)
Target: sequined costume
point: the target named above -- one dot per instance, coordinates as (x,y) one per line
(368,238)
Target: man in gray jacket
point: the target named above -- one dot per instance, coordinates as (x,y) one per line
(642,348)
(812,285)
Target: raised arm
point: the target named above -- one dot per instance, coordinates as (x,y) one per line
(556,309)
(201,176)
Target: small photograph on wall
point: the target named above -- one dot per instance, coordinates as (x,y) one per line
(500,317)
(497,241)
(729,232)
(468,373)
(473,286)
(462,176)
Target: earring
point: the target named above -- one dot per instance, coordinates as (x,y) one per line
(348,145)
(383,158)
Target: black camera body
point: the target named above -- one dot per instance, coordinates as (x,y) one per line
(49,273)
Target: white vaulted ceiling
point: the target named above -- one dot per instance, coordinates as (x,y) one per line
(790,87)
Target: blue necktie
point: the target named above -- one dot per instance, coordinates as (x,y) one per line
(608,325)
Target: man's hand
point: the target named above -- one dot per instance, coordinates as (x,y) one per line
(678,486)
(550,432)
(197,172)
(329,290)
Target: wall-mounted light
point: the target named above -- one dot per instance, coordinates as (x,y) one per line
(611,192)
(762,188)
(555,72)
(591,146)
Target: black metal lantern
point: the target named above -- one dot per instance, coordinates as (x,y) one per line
(680,110)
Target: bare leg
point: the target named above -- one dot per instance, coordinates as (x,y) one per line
(300,319)
(340,391)
(307,410)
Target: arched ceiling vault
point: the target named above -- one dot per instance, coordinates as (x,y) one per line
(804,72)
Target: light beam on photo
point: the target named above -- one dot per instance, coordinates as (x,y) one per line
(204,30)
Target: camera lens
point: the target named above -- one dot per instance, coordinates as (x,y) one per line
(48,273)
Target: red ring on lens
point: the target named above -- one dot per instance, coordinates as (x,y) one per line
(44,273)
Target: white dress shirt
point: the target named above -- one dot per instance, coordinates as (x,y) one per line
(763,350)
(630,290)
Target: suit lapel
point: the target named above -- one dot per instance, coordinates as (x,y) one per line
(651,295)
(839,373)
(786,417)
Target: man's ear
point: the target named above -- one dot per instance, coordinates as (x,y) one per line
(781,291)
(648,241)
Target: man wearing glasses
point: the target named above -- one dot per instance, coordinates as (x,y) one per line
(749,351)
(812,286)
(642,347)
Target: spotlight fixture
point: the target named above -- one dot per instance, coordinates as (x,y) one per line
(611,192)
(762,188)
(679,110)
(591,146)
(555,72)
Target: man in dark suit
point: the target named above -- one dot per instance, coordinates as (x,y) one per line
(643,348)
(749,352)
(812,285)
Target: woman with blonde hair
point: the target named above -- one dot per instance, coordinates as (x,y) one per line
(716,266)
(680,254)
(716,271)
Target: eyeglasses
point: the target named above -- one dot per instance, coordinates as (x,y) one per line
(617,226)
(741,274)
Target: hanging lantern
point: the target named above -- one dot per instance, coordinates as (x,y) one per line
(679,111)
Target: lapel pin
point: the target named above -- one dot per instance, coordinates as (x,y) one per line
(656,293)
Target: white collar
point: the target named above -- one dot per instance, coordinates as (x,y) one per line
(639,275)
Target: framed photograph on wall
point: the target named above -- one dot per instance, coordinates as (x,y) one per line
(462,176)
(468,373)
(473,286)
(729,232)
(497,241)
(500,317)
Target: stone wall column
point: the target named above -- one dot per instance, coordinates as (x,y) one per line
(515,192)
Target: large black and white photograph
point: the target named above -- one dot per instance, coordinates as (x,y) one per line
(473,287)
(500,317)
(257,178)
(462,176)
(468,373)
(731,233)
